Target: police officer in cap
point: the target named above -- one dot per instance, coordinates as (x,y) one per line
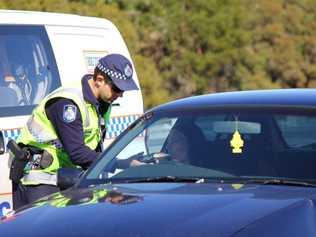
(65,127)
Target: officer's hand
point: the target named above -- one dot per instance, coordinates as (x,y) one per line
(135,163)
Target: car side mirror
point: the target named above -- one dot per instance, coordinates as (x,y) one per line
(67,177)
(2,148)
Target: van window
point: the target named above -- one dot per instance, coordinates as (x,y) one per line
(28,69)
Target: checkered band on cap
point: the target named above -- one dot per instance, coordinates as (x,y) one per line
(112,73)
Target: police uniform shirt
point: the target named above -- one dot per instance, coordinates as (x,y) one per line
(66,118)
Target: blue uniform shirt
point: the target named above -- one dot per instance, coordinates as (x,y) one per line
(65,116)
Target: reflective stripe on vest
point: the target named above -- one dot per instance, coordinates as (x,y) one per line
(36,177)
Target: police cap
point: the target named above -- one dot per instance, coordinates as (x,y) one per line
(119,69)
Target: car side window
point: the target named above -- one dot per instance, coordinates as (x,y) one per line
(297,131)
(157,134)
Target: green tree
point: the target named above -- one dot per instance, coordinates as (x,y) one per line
(186,47)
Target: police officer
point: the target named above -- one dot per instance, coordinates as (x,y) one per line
(65,128)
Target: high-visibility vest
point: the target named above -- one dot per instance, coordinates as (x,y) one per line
(39,132)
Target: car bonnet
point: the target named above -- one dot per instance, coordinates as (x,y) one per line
(169,209)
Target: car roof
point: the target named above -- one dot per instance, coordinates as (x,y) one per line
(272,97)
(16,17)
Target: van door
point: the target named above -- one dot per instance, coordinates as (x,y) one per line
(28,72)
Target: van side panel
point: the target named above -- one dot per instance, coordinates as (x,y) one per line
(5,186)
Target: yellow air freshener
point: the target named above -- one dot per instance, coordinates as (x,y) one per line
(236,143)
(237,186)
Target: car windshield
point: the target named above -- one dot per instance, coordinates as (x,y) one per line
(214,143)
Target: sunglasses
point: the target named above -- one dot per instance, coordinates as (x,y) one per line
(115,88)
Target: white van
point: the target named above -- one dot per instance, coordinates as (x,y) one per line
(39,52)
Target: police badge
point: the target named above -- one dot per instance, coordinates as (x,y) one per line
(128,71)
(69,114)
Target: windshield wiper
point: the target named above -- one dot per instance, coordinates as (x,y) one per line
(278,181)
(242,180)
(159,179)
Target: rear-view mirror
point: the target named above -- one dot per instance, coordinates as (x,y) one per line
(242,126)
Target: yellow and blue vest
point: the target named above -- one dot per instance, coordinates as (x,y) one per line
(40,133)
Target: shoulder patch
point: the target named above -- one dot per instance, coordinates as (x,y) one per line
(69,113)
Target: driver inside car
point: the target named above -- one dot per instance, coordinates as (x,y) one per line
(186,143)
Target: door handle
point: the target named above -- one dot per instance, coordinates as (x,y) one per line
(2,147)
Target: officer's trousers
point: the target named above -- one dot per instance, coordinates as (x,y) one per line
(26,194)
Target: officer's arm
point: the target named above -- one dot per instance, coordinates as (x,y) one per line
(70,131)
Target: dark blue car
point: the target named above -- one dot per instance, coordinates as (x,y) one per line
(225,164)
